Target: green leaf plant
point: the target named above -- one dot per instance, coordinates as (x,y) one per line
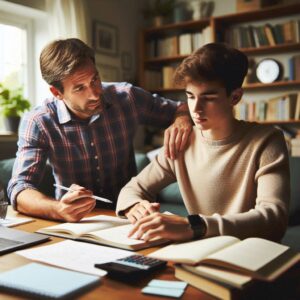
(12,102)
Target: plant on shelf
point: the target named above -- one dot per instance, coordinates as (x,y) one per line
(159,10)
(12,105)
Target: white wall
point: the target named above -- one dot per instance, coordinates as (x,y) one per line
(126,17)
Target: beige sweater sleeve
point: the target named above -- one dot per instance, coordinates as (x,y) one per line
(149,182)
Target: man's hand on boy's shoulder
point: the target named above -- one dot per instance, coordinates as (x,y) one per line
(176,136)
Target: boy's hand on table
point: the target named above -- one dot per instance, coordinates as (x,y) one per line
(158,225)
(140,210)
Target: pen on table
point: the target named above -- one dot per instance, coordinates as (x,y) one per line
(70,190)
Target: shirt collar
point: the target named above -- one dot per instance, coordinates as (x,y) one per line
(64,115)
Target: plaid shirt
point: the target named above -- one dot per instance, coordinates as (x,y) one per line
(97,154)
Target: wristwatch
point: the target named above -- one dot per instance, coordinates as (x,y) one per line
(198,226)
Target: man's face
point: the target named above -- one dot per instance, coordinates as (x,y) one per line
(210,107)
(82,91)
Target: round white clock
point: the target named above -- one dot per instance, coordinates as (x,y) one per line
(268,70)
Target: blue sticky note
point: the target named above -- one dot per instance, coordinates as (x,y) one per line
(170,284)
(176,293)
(42,280)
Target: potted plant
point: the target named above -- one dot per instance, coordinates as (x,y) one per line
(159,10)
(12,105)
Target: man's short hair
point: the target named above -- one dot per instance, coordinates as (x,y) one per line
(62,58)
(214,62)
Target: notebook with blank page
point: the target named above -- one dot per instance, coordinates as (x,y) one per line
(39,280)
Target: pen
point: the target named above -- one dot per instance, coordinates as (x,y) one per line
(70,190)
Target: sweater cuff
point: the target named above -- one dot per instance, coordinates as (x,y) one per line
(120,210)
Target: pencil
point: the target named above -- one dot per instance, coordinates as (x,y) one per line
(70,190)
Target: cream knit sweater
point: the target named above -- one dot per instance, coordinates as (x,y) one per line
(239,185)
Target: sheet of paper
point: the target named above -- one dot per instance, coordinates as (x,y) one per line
(176,293)
(75,256)
(170,284)
(11,221)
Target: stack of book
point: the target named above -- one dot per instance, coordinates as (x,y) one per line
(227,267)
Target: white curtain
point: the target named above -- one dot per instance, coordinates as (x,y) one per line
(67,19)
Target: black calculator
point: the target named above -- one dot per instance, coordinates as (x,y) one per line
(132,267)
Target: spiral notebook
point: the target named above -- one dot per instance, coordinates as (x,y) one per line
(49,282)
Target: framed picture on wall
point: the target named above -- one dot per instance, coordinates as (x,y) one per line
(105,38)
(108,73)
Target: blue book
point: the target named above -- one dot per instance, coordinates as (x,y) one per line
(49,282)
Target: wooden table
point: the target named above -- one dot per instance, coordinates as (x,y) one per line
(288,288)
(107,289)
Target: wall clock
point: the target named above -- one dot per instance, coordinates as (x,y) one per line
(268,70)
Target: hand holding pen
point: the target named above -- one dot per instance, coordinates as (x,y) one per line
(72,190)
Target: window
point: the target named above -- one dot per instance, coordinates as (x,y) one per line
(13,56)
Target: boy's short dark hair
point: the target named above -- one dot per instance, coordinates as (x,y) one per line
(214,62)
(61,58)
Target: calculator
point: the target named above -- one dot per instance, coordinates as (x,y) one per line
(131,267)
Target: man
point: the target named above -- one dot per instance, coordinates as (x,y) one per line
(86,132)
(234,176)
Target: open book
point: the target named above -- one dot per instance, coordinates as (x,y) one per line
(101,229)
(254,257)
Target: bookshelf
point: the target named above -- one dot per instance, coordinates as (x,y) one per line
(218,25)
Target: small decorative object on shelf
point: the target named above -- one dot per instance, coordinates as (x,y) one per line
(268,70)
(160,11)
(248,5)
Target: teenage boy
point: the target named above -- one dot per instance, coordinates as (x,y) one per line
(234,176)
(86,132)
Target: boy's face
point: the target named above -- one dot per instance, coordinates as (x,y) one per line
(82,91)
(211,108)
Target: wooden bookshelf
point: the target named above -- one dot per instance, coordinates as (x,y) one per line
(276,84)
(282,48)
(218,26)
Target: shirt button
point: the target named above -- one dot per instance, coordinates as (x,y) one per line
(92,144)
(98,180)
(96,157)
(101,190)
(98,168)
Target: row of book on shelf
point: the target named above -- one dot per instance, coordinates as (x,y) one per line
(163,77)
(281,108)
(264,35)
(156,79)
(294,67)
(182,44)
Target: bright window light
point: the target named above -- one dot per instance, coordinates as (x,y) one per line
(13,57)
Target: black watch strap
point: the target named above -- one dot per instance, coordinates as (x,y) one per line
(198,226)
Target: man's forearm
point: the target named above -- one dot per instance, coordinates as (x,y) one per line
(34,203)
